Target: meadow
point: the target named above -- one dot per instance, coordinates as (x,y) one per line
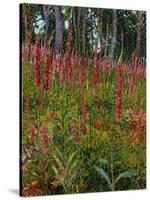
(84,123)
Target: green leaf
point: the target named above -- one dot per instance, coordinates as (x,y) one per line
(69,181)
(126,174)
(58,152)
(68,163)
(105,176)
(103,161)
(57,160)
(59,178)
(56,171)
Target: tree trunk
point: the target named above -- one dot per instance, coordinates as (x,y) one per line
(102,41)
(92,40)
(46,17)
(75,27)
(114,33)
(78,28)
(59,29)
(27,25)
(122,47)
(83,31)
(106,40)
(140,19)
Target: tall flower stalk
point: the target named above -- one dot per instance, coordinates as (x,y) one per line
(84,118)
(37,61)
(27,103)
(47,78)
(33,132)
(41,99)
(62,70)
(118,94)
(95,77)
(131,86)
(45,140)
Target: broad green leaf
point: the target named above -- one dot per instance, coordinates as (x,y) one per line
(69,181)
(105,176)
(57,160)
(68,163)
(59,152)
(126,174)
(103,161)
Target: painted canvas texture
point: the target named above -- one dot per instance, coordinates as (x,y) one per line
(82,100)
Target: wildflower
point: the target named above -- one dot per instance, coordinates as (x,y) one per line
(36,66)
(41,100)
(53,163)
(52,115)
(77,138)
(55,65)
(119,94)
(24,169)
(27,103)
(70,72)
(47,80)
(87,74)
(84,119)
(133,76)
(74,127)
(78,72)
(62,70)
(45,140)
(33,133)
(98,123)
(81,80)
(95,78)
(139,127)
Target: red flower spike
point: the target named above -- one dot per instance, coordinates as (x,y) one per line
(133,76)
(119,94)
(45,140)
(84,119)
(95,77)
(47,78)
(33,133)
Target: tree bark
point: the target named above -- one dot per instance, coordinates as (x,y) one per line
(92,38)
(83,31)
(106,40)
(27,25)
(114,33)
(122,47)
(78,28)
(140,19)
(59,29)
(75,27)
(102,41)
(46,17)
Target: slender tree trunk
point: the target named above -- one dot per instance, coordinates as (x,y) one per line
(59,28)
(106,40)
(100,13)
(27,28)
(122,47)
(140,19)
(83,31)
(75,28)
(46,17)
(78,28)
(91,31)
(114,33)
(28,31)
